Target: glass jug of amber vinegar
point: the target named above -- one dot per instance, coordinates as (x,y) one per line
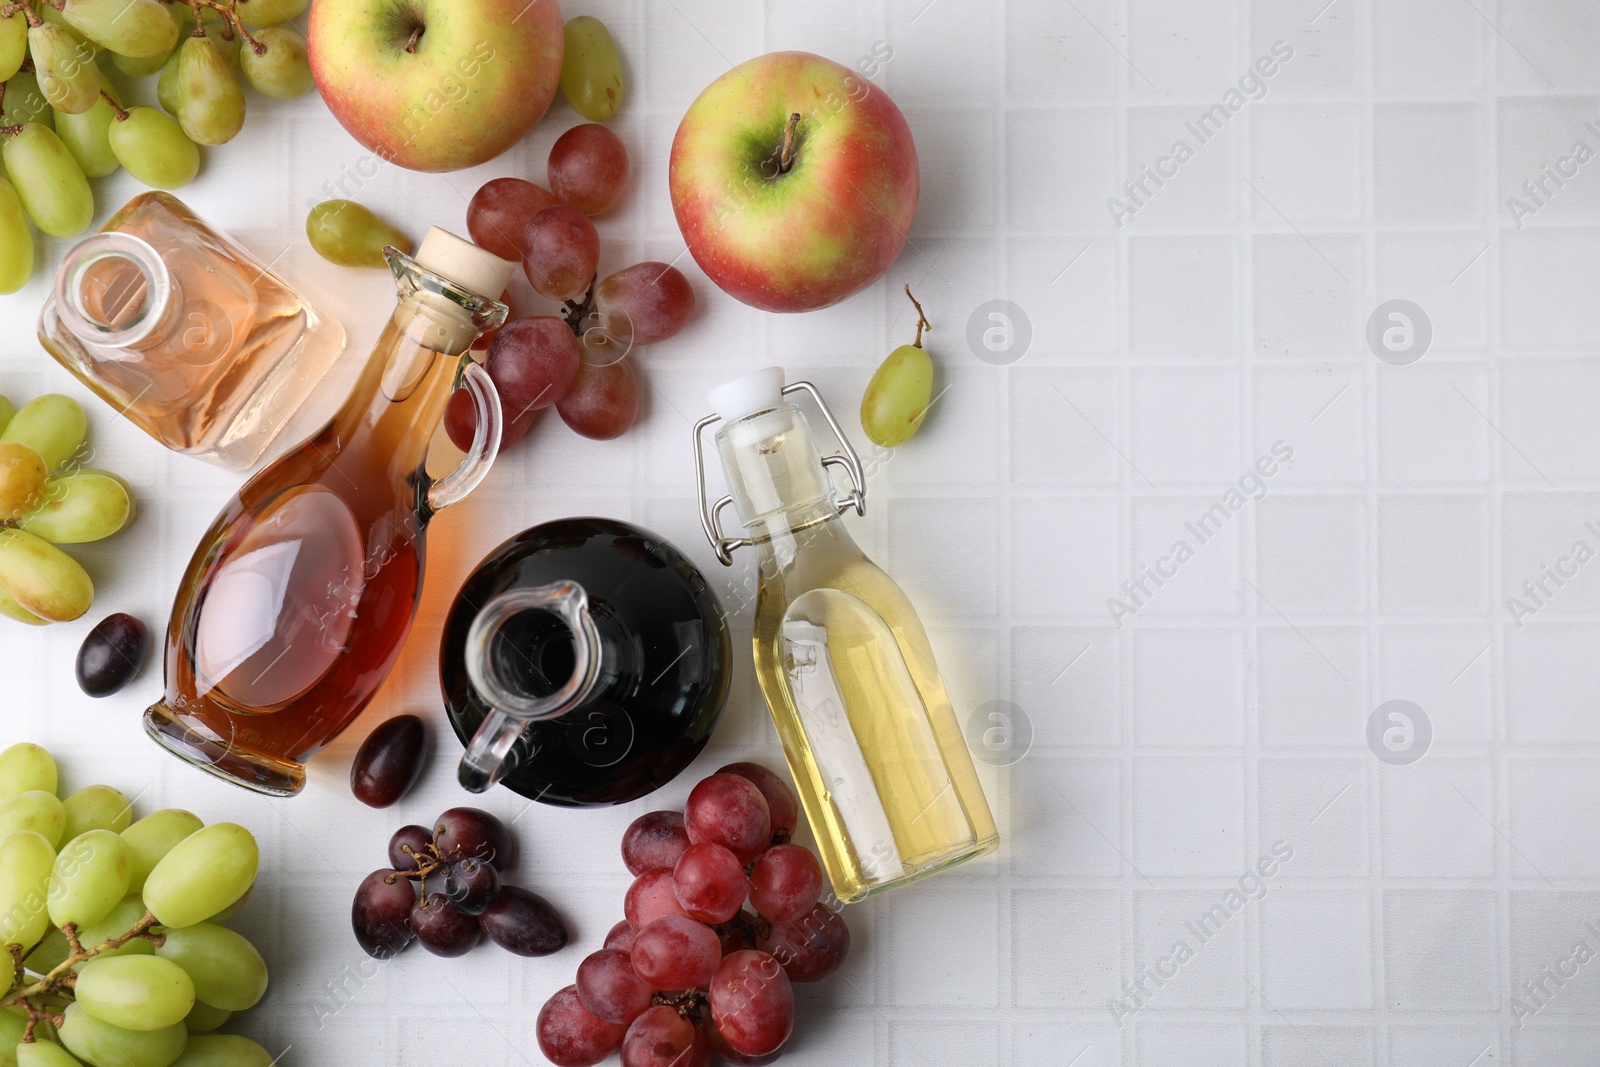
(866,724)
(300,595)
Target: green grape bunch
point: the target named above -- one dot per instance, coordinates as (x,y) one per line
(63,119)
(48,499)
(116,948)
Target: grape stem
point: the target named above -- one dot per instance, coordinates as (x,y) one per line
(26,8)
(61,979)
(577,312)
(922,319)
(116,109)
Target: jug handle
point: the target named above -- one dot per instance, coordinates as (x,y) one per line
(487,759)
(485,440)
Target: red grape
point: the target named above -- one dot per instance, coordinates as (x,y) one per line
(785,883)
(500,211)
(415,838)
(533,362)
(461,421)
(782,805)
(644,303)
(610,989)
(523,922)
(709,882)
(654,840)
(588,166)
(620,936)
(442,929)
(603,402)
(728,810)
(663,1038)
(752,1004)
(471,885)
(810,948)
(560,250)
(676,953)
(570,1035)
(381,913)
(462,832)
(649,898)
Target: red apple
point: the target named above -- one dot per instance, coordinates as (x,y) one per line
(794,181)
(436,84)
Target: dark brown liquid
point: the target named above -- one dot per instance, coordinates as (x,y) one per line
(301,594)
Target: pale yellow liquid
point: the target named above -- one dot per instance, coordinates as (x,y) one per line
(894,701)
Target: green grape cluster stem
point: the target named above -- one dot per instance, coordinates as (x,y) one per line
(33,993)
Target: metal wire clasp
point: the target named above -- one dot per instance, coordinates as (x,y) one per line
(711,513)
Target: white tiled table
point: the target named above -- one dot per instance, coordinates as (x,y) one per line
(1173,745)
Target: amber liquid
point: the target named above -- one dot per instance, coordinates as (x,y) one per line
(234,356)
(300,596)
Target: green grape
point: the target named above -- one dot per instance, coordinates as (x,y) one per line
(49,13)
(25,767)
(90,877)
(202,875)
(49,181)
(144,66)
(97,807)
(221,34)
(67,74)
(271,12)
(344,232)
(106,1045)
(898,396)
(13,1023)
(152,837)
(210,100)
(37,810)
(12,610)
(155,149)
(16,242)
(52,425)
(203,1019)
(170,85)
(223,964)
(224,1050)
(23,480)
(43,580)
(135,992)
(44,1054)
(13,49)
(83,506)
(25,101)
(54,950)
(591,70)
(231,910)
(137,28)
(26,860)
(283,72)
(85,137)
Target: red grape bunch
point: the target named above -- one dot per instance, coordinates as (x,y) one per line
(691,970)
(464,854)
(575,360)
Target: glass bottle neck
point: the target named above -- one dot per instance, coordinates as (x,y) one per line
(776,476)
(114,291)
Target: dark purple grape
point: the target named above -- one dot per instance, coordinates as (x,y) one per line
(472,885)
(442,929)
(663,1038)
(523,922)
(463,832)
(654,841)
(413,838)
(810,948)
(110,656)
(381,913)
(390,761)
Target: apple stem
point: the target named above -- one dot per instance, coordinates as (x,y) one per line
(411,45)
(786,156)
(922,319)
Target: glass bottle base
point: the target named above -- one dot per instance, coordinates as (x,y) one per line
(857,893)
(199,746)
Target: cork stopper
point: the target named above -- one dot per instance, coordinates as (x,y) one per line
(464,263)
